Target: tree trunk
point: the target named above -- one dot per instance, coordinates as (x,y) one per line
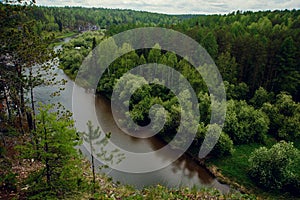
(20,120)
(32,100)
(21,90)
(93,166)
(3,139)
(46,149)
(93,170)
(7,104)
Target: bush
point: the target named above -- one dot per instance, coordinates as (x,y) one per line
(277,167)
(284,117)
(8,179)
(224,145)
(244,124)
(260,97)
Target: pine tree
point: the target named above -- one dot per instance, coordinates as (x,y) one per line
(94,138)
(57,138)
(90,137)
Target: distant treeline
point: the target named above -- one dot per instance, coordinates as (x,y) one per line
(75,18)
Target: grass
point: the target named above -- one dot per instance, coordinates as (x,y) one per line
(236,168)
(108,190)
(59,36)
(65,34)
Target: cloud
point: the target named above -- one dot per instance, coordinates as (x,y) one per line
(180,6)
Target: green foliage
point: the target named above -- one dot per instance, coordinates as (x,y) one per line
(257,48)
(244,124)
(284,117)
(223,147)
(289,75)
(204,107)
(77,49)
(94,138)
(8,181)
(236,166)
(227,66)
(277,167)
(161,192)
(56,139)
(236,91)
(22,50)
(260,97)
(209,42)
(83,19)
(255,53)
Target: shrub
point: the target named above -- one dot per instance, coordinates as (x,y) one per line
(8,179)
(244,124)
(224,145)
(277,167)
(284,117)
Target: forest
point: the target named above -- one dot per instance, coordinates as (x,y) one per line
(257,54)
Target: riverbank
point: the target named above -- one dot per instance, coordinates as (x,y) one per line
(213,169)
(233,170)
(105,188)
(59,38)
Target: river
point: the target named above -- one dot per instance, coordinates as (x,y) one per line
(182,173)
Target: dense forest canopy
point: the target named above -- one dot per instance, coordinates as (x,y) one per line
(262,47)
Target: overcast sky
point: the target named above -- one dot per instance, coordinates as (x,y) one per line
(181,6)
